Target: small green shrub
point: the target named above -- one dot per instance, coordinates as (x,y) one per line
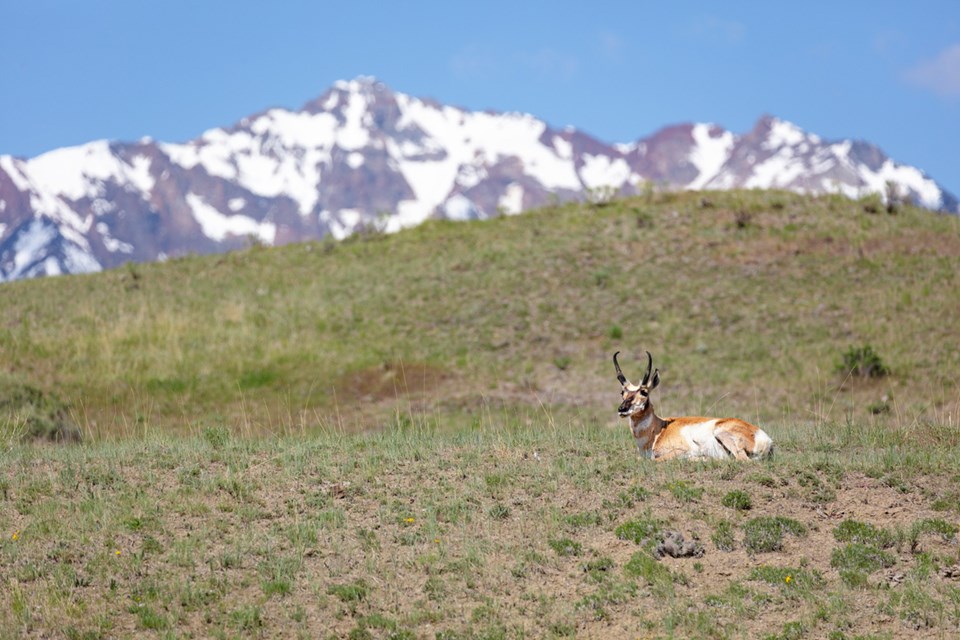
(791,631)
(26,412)
(566,547)
(817,490)
(628,498)
(598,568)
(379,621)
(151,619)
(499,511)
(351,592)
(645,532)
(864,533)
(584,519)
(610,592)
(684,491)
(765,534)
(737,499)
(856,560)
(278,575)
(862,362)
(216,436)
(723,537)
(872,203)
(935,526)
(247,618)
(950,501)
(658,577)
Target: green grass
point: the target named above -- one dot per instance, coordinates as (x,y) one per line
(723,536)
(765,533)
(738,500)
(646,532)
(864,533)
(789,580)
(451,317)
(415,435)
(392,527)
(684,491)
(350,593)
(566,547)
(656,575)
(856,560)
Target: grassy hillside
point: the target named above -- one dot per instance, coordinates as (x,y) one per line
(441,458)
(748,301)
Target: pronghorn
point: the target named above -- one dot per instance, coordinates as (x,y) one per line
(688,436)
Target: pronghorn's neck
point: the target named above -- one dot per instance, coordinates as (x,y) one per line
(646,426)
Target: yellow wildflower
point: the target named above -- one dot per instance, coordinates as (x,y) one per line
(15,536)
(410,520)
(787,579)
(117,552)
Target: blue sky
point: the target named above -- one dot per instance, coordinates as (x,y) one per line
(887,72)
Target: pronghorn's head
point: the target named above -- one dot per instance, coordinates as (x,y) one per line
(636,397)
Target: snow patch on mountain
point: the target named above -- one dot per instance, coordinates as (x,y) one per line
(13,169)
(79,260)
(281,154)
(217,226)
(30,243)
(511,202)
(81,171)
(469,137)
(776,172)
(783,133)
(709,153)
(460,208)
(603,171)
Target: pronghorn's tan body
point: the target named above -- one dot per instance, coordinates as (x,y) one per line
(688,436)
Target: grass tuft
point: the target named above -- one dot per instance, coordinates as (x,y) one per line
(856,560)
(737,499)
(864,533)
(646,532)
(765,534)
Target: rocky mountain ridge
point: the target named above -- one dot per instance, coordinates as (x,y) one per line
(363,156)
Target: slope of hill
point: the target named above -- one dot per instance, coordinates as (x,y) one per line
(747,299)
(362,156)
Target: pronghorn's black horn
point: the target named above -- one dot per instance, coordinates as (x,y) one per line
(646,376)
(620,376)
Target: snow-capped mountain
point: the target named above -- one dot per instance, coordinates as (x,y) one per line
(362,156)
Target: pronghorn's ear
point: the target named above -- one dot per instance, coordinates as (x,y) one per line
(655,381)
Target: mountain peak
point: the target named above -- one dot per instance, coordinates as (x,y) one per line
(342,92)
(358,83)
(778,132)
